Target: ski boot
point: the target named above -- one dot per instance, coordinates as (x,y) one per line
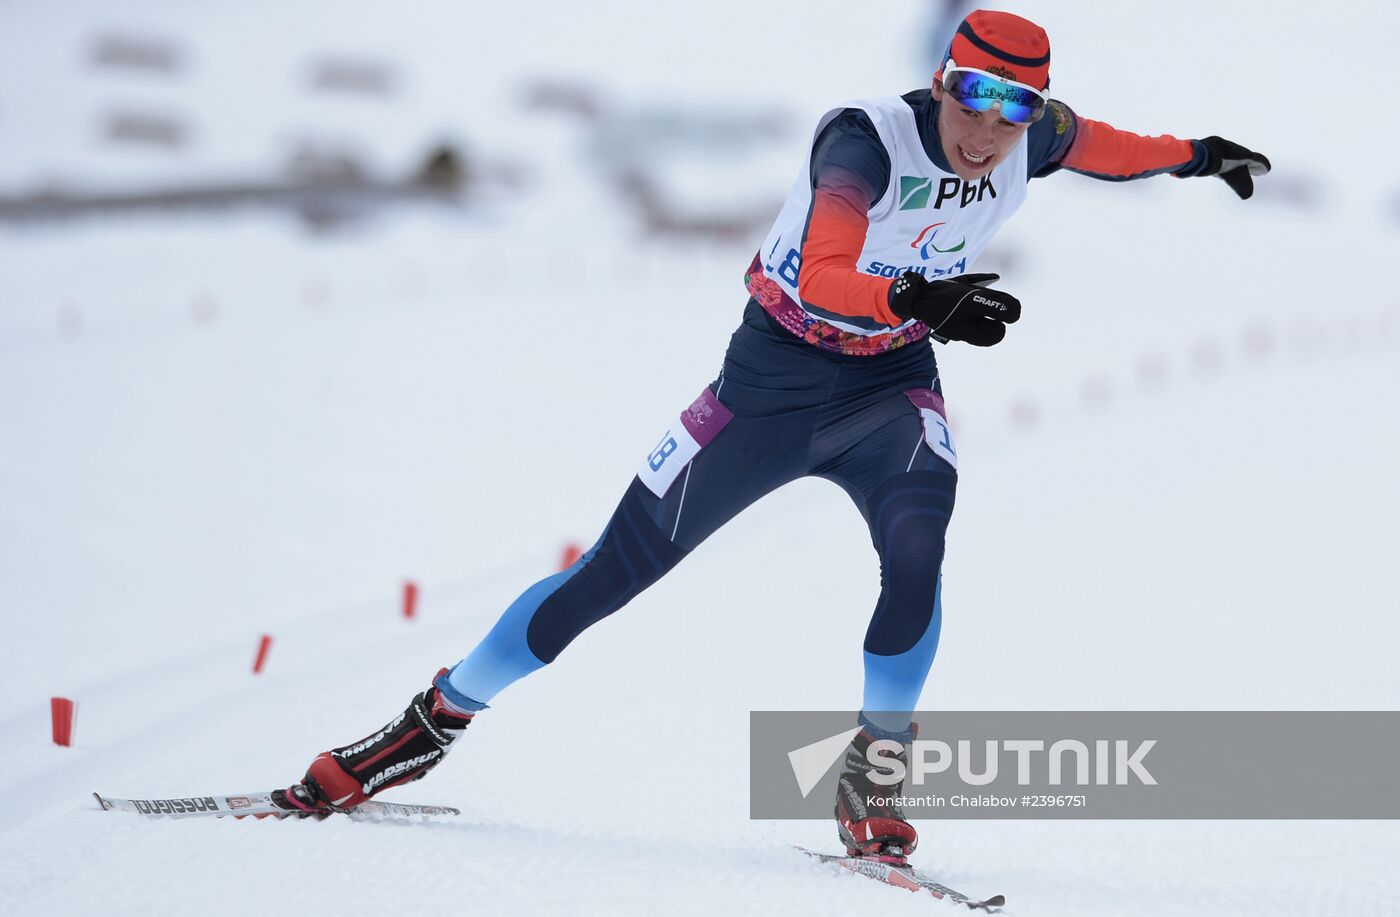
(406,749)
(869,819)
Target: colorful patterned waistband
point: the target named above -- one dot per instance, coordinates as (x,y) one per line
(775,301)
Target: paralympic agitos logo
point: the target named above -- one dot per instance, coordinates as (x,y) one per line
(925,242)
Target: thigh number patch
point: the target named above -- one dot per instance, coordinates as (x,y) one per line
(936,431)
(698,425)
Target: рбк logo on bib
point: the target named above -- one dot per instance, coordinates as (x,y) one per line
(915,192)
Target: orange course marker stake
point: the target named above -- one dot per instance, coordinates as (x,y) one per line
(570,555)
(264,644)
(410,599)
(65,712)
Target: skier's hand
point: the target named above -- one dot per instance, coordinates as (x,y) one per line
(1235,164)
(959,309)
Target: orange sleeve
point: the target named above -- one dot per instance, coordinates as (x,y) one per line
(829,277)
(1106,152)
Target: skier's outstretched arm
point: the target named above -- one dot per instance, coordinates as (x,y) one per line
(1066,140)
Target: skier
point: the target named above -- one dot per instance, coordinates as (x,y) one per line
(829,374)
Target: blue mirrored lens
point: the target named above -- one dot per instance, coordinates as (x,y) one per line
(980,93)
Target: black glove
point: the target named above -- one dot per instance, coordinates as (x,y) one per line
(960,309)
(1235,164)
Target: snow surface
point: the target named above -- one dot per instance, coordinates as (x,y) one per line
(1176,490)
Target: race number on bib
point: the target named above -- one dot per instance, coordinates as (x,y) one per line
(936,431)
(698,425)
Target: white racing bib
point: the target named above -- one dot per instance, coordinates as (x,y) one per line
(698,425)
(937,433)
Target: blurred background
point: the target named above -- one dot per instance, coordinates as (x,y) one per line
(300,301)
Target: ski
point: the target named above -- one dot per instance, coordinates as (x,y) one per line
(259,805)
(904,876)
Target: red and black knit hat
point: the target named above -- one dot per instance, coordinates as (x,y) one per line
(1004,45)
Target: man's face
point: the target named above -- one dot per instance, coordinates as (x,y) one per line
(974,142)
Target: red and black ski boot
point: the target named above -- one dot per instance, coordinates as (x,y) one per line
(406,749)
(869,819)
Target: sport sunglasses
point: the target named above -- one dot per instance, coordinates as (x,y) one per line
(981,91)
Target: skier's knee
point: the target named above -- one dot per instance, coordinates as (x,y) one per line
(632,554)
